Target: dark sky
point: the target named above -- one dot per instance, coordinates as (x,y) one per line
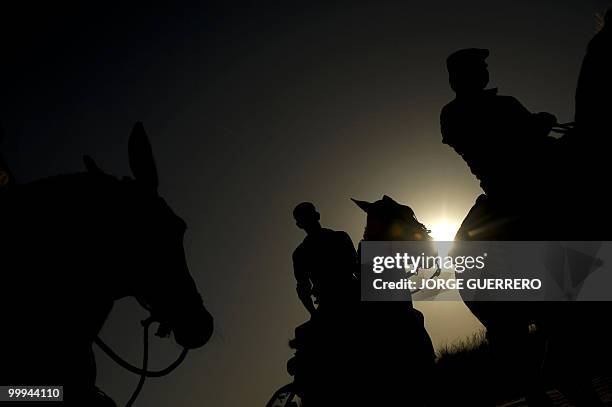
(252,109)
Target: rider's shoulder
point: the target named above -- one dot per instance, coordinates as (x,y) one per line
(298,252)
(342,235)
(337,236)
(332,232)
(456,108)
(449,107)
(504,99)
(450,113)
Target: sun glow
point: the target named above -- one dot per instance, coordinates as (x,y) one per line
(444,231)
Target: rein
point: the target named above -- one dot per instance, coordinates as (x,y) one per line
(434,275)
(143,371)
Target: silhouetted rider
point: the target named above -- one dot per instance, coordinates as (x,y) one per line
(501,141)
(324,263)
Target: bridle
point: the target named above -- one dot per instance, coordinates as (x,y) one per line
(434,275)
(142,371)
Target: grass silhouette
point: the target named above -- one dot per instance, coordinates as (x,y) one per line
(467,374)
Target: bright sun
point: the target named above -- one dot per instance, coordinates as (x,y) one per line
(444,230)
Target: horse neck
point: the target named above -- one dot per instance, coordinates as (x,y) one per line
(79,217)
(59,241)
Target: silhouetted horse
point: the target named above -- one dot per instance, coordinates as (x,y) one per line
(570,329)
(381,349)
(71,246)
(588,146)
(507,323)
(395,329)
(569,207)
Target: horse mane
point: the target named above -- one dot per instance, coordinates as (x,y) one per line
(71,181)
(59,194)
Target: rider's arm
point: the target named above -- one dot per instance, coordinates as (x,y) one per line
(538,124)
(445,125)
(451,130)
(304,286)
(543,123)
(349,253)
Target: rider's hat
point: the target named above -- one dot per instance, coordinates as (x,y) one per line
(466,59)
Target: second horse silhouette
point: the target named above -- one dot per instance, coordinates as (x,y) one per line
(381,349)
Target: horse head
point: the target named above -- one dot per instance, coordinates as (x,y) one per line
(390,220)
(150,249)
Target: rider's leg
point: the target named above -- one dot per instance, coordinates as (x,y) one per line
(517,351)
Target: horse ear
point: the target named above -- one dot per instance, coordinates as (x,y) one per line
(141,158)
(387,198)
(91,166)
(365,206)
